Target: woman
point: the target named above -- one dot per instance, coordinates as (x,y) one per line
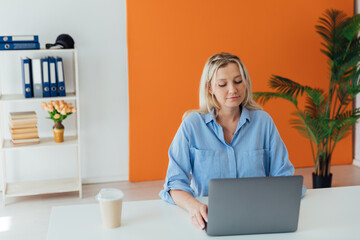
(228,137)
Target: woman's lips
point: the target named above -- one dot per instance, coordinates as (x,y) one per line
(233,98)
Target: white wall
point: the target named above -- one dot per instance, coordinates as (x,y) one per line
(99,31)
(357,138)
(357,104)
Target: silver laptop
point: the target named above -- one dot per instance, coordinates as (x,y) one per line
(253,205)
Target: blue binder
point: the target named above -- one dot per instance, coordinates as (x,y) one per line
(20,38)
(26,75)
(45,76)
(53,80)
(19,46)
(60,77)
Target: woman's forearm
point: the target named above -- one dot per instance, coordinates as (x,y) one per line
(196,209)
(183,199)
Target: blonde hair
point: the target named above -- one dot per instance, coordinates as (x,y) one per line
(207,101)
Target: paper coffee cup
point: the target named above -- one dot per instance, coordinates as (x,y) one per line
(110,200)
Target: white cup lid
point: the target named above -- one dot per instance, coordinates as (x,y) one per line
(109,194)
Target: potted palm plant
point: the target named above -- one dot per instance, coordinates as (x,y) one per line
(327,116)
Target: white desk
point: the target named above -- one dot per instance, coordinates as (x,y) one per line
(332,213)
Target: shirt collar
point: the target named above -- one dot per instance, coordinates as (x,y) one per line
(245,115)
(209,117)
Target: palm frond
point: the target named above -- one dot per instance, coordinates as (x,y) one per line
(326,52)
(353,91)
(348,116)
(304,132)
(300,125)
(286,86)
(314,129)
(341,129)
(331,29)
(323,31)
(328,28)
(315,102)
(343,95)
(341,133)
(264,97)
(349,62)
(352,27)
(316,94)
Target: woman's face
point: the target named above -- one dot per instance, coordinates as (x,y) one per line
(228,87)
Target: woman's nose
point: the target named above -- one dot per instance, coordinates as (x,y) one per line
(232,87)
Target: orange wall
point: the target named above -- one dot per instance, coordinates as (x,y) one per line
(170,41)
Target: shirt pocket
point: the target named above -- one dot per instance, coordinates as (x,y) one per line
(253,163)
(206,165)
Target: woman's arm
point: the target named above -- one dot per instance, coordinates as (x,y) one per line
(280,163)
(196,209)
(179,169)
(177,189)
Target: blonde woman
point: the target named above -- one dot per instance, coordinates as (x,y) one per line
(230,136)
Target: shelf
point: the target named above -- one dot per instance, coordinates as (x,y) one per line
(21,98)
(44,142)
(42,51)
(42,187)
(12,99)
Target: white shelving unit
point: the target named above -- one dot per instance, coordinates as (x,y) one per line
(12,99)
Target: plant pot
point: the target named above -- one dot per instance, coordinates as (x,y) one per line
(58,130)
(321,181)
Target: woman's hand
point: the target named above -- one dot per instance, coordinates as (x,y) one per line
(198,214)
(196,209)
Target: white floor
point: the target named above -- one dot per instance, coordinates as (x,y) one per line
(28,217)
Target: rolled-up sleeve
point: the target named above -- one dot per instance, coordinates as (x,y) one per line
(179,168)
(280,164)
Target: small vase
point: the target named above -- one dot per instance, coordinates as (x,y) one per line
(321,181)
(58,130)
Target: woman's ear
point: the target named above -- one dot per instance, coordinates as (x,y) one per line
(209,88)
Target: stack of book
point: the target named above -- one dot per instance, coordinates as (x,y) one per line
(19,42)
(23,128)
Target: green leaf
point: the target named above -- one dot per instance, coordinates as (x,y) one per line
(353,91)
(352,27)
(316,95)
(286,86)
(315,102)
(316,130)
(264,97)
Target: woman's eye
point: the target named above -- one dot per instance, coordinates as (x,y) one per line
(221,85)
(238,82)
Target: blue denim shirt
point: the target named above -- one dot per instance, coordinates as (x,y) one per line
(199,153)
